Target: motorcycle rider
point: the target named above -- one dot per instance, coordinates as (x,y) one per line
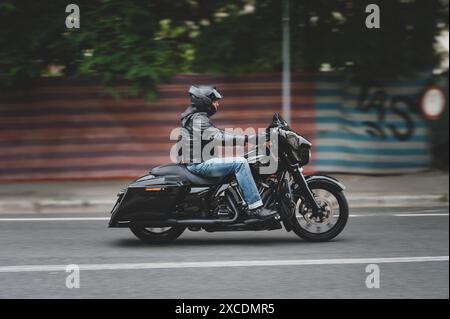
(196,123)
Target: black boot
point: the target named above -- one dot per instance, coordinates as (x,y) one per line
(261,213)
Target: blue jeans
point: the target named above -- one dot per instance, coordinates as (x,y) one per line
(217,167)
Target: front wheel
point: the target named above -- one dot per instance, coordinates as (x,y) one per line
(312,228)
(160,235)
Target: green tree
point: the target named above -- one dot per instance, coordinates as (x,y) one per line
(143,42)
(146,42)
(324,31)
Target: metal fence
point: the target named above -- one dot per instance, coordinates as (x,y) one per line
(71,129)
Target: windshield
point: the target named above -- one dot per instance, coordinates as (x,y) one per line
(278,121)
(294,139)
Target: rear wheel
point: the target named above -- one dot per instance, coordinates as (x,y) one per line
(157,235)
(335,217)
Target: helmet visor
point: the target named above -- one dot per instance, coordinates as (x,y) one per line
(215,95)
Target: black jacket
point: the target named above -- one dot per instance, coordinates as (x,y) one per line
(198,128)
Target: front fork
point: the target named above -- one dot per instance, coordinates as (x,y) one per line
(297,173)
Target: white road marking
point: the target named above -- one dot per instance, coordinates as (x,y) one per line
(430,211)
(368,215)
(400,215)
(52,219)
(420,215)
(216,264)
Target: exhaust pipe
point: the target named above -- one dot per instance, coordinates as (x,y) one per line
(197,222)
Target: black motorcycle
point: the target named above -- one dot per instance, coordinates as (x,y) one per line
(158,207)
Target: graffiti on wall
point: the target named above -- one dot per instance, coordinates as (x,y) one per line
(376,128)
(402,106)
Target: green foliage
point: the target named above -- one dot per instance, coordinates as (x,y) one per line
(146,42)
(324,31)
(242,42)
(141,42)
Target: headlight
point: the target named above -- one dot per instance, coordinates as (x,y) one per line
(293,140)
(300,147)
(304,154)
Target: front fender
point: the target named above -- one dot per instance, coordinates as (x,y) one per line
(338,186)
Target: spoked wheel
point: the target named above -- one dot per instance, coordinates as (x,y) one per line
(326,227)
(157,235)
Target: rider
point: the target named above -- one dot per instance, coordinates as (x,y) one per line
(196,122)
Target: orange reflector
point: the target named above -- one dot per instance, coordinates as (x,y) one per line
(152,189)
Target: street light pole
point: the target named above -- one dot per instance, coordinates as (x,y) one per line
(286,62)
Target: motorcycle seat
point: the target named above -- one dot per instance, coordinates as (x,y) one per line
(181,171)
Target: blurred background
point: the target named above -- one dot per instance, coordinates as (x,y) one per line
(84,111)
(99,101)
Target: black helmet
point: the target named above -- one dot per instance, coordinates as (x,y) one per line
(203,96)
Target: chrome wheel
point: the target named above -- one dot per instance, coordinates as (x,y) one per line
(316,224)
(158,230)
(335,213)
(157,234)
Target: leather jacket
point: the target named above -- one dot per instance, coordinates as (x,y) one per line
(198,131)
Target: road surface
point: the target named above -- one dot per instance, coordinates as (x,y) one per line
(410,248)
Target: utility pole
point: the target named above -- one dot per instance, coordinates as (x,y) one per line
(286,46)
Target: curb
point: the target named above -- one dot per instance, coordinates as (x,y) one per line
(371,200)
(49,205)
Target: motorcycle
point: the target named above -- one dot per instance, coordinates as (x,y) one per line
(158,207)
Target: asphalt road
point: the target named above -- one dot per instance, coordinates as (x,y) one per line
(335,269)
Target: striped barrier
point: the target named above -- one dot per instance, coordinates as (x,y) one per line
(376,130)
(70,129)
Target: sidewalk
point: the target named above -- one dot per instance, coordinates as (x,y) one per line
(427,189)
